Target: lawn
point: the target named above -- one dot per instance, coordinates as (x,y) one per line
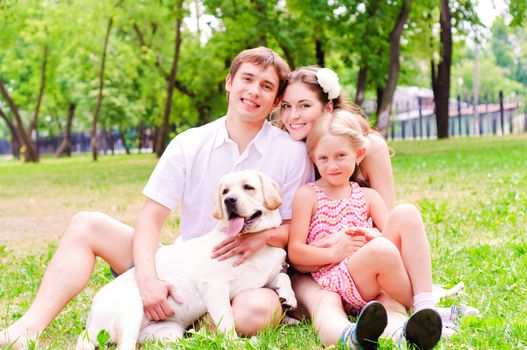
(472,193)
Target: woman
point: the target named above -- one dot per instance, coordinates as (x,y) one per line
(310,93)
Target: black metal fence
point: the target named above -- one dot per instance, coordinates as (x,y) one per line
(412,120)
(81,142)
(505,116)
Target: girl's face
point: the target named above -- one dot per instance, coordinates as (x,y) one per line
(300,108)
(335,159)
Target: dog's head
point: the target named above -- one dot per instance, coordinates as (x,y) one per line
(247,201)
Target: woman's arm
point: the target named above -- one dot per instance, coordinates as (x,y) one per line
(377,168)
(299,252)
(377,209)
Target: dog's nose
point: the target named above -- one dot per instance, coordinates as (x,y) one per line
(230,201)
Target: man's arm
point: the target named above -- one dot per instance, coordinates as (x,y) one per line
(278,237)
(247,245)
(153,291)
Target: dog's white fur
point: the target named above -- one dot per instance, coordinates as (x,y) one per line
(203,284)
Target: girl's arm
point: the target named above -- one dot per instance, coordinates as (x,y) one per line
(377,209)
(377,168)
(299,252)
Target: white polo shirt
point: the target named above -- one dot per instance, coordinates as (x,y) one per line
(193,163)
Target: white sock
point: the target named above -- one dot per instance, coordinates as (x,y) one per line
(423,301)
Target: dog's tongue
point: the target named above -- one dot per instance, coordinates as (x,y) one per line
(234,226)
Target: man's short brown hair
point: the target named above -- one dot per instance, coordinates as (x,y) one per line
(263,56)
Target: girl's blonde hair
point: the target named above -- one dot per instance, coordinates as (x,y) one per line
(338,123)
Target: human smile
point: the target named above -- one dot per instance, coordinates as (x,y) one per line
(250,103)
(296,126)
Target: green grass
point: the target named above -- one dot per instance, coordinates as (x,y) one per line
(472,194)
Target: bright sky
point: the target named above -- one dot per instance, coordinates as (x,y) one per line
(489,9)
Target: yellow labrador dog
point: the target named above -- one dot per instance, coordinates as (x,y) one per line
(247,201)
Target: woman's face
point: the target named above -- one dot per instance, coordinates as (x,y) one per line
(300,108)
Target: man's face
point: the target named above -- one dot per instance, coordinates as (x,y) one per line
(252,92)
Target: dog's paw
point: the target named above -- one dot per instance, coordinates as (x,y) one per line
(288,302)
(290,321)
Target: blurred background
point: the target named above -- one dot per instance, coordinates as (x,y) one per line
(127,75)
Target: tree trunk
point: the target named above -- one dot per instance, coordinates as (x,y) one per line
(33,124)
(163,136)
(393,74)
(100,96)
(319,53)
(27,147)
(441,78)
(204,112)
(15,143)
(111,141)
(288,56)
(140,136)
(361,84)
(64,149)
(125,145)
(372,9)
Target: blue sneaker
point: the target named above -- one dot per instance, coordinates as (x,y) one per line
(364,335)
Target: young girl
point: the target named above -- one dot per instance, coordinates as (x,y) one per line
(396,262)
(312,92)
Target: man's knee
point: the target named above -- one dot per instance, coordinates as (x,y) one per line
(82,226)
(255,310)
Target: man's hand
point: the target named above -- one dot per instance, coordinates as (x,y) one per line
(154,295)
(245,245)
(369,233)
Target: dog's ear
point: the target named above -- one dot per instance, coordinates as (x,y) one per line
(271,192)
(218,208)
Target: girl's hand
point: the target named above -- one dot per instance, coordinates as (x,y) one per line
(342,243)
(368,233)
(348,247)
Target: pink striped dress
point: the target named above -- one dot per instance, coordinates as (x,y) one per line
(331,216)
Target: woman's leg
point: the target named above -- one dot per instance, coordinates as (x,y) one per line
(406,230)
(397,316)
(378,266)
(89,235)
(329,318)
(324,307)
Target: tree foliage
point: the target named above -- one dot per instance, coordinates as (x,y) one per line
(52,57)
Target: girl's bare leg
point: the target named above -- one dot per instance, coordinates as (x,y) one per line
(406,230)
(378,266)
(89,235)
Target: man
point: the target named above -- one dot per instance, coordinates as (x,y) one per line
(187,173)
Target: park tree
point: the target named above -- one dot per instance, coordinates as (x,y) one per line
(518,11)
(109,11)
(441,71)
(23,69)
(386,92)
(454,16)
(500,43)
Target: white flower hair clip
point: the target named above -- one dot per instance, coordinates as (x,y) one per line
(329,82)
